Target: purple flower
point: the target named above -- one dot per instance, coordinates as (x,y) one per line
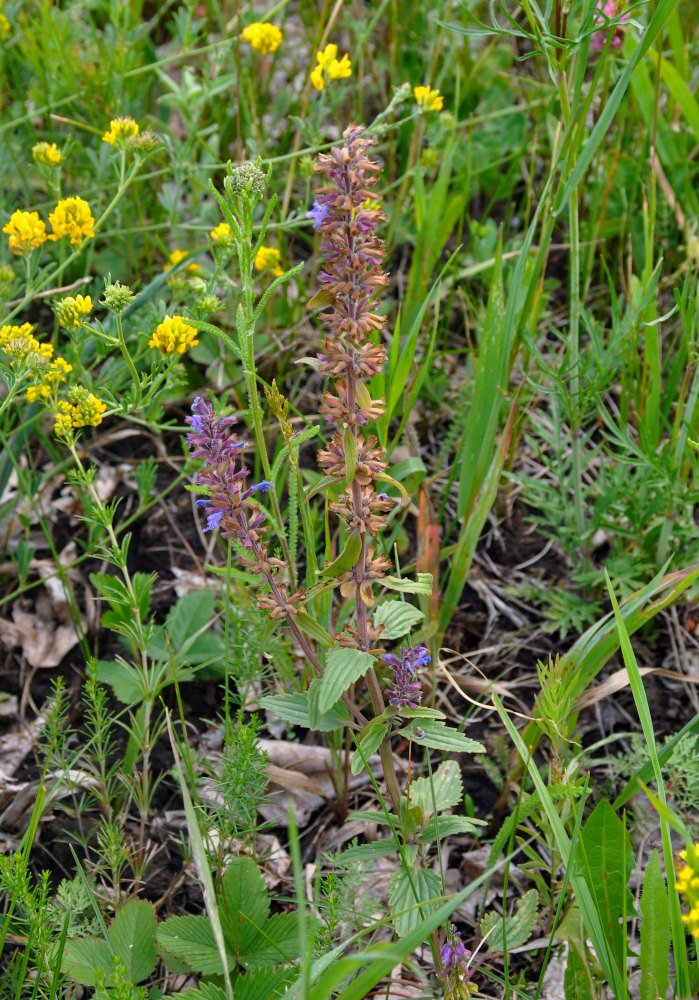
(455,971)
(209,437)
(407,690)
(608,10)
(318,214)
(263,486)
(213,519)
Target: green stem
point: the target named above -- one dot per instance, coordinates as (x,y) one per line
(127,357)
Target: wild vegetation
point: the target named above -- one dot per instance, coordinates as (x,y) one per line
(348,591)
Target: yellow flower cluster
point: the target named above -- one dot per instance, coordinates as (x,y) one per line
(430,100)
(4,26)
(174,335)
(222,235)
(26,231)
(269,259)
(81,409)
(49,378)
(71,311)
(687,884)
(263,36)
(47,154)
(327,62)
(120,129)
(17,342)
(176,256)
(72,218)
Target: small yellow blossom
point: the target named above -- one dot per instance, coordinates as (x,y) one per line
(21,347)
(430,100)
(63,419)
(4,26)
(120,129)
(72,218)
(687,885)
(71,311)
(269,259)
(327,62)
(86,409)
(176,256)
(221,234)
(174,334)
(26,231)
(49,378)
(47,154)
(263,36)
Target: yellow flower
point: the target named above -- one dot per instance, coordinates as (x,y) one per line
(327,61)
(176,256)
(26,231)
(63,419)
(687,884)
(72,218)
(49,155)
(71,311)
(263,36)
(86,409)
(174,334)
(430,100)
(18,344)
(56,372)
(221,234)
(269,259)
(120,129)
(4,26)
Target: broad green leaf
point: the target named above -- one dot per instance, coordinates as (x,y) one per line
(243,904)
(517,928)
(276,943)
(369,741)
(263,984)
(83,958)
(369,852)
(347,558)
(407,910)
(441,791)
(343,667)
(604,858)
(578,983)
(294,708)
(423,584)
(204,991)
(374,816)
(439,827)
(125,680)
(422,713)
(435,734)
(656,933)
(133,935)
(191,940)
(397,617)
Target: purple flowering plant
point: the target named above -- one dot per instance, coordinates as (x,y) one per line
(345,217)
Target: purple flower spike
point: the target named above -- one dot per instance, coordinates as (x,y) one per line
(213,520)
(317,213)
(407,690)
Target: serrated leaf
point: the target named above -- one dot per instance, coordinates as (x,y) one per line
(188,615)
(311,627)
(518,927)
(276,943)
(343,666)
(397,617)
(439,827)
(294,708)
(369,741)
(316,720)
(656,933)
(347,558)
(133,935)
(371,851)
(436,735)
(373,816)
(204,991)
(263,984)
(422,713)
(423,584)
(243,904)
(443,789)
(191,939)
(83,958)
(125,680)
(406,912)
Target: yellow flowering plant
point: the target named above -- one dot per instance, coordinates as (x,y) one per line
(427,99)
(47,154)
(263,37)
(174,335)
(327,64)
(179,255)
(72,311)
(120,129)
(72,219)
(269,259)
(26,231)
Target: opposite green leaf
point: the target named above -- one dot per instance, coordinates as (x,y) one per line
(397,617)
(442,790)
(370,740)
(423,584)
(343,667)
(407,911)
(437,736)
(517,928)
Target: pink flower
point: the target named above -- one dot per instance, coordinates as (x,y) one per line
(608,10)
